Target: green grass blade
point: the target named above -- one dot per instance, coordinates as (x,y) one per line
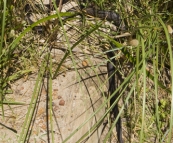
(171,74)
(144,91)
(11,103)
(1,48)
(50,98)
(28,118)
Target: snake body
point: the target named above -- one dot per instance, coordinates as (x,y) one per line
(111,16)
(115,18)
(112,87)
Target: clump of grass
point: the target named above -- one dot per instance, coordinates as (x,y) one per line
(145,68)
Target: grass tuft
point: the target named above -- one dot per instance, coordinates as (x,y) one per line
(144,63)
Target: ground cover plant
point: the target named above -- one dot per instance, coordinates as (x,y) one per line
(144,66)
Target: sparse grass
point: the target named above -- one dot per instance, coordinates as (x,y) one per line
(145,71)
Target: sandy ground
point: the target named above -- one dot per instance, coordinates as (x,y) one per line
(74,101)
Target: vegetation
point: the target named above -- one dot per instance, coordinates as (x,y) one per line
(145,69)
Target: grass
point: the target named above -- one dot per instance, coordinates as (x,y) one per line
(144,70)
